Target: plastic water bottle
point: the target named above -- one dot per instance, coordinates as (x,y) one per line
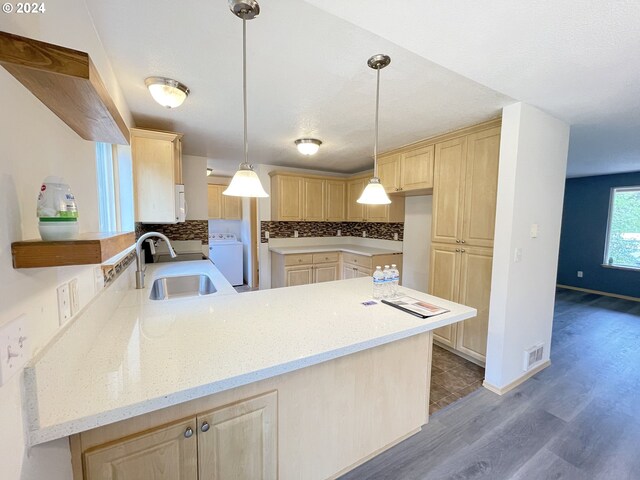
(378,283)
(395,280)
(386,293)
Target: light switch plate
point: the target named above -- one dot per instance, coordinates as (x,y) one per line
(74,296)
(517,255)
(15,348)
(64,304)
(534,230)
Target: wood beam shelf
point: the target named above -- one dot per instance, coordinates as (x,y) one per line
(88,249)
(68,83)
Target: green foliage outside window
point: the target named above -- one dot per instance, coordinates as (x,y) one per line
(624,228)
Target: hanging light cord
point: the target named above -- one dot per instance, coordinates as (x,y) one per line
(244,88)
(375,144)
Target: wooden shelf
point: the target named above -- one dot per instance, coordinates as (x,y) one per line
(67,82)
(88,249)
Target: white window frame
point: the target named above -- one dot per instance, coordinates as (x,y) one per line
(605,262)
(109,192)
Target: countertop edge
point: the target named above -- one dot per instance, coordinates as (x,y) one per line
(330,248)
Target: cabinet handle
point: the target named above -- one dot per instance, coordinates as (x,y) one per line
(462,241)
(188,433)
(457,241)
(457,249)
(462,250)
(205,427)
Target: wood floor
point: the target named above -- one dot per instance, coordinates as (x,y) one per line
(579,419)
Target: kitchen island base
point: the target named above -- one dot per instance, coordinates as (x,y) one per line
(318,422)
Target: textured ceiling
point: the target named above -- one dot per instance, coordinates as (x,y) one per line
(307,76)
(576,59)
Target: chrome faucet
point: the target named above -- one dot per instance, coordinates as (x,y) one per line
(139,270)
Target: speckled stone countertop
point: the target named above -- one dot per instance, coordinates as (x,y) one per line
(350,248)
(147,355)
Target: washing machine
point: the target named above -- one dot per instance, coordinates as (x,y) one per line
(225,251)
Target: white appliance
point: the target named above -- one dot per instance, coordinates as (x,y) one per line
(225,251)
(181,204)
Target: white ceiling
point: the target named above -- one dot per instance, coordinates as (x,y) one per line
(307,76)
(576,59)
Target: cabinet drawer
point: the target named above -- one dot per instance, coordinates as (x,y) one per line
(357,260)
(302,259)
(328,257)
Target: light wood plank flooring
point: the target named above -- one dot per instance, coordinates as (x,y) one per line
(578,419)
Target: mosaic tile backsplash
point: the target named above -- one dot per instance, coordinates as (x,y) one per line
(383,231)
(189,230)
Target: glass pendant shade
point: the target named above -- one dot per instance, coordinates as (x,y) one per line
(245,183)
(374,194)
(167,92)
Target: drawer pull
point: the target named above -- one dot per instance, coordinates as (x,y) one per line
(205,427)
(188,433)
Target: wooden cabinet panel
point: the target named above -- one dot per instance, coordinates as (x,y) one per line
(357,260)
(302,275)
(389,172)
(336,191)
(448,190)
(378,213)
(475,291)
(160,454)
(288,192)
(231,207)
(214,201)
(348,271)
(363,272)
(241,441)
(326,272)
(355,210)
(443,282)
(326,257)
(416,169)
(301,259)
(481,185)
(313,203)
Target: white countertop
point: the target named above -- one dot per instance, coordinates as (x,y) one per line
(154,354)
(350,248)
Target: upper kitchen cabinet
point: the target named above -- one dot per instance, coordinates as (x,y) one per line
(355,210)
(465,188)
(336,193)
(286,197)
(358,212)
(409,172)
(314,199)
(223,207)
(157,169)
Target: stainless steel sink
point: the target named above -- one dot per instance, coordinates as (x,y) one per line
(165,288)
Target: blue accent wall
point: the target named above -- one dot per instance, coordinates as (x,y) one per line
(584,230)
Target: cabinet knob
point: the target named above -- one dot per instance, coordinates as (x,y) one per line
(205,427)
(457,241)
(457,249)
(188,433)
(462,241)
(462,250)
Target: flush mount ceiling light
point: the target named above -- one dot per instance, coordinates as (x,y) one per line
(245,182)
(167,92)
(209,172)
(308,146)
(374,193)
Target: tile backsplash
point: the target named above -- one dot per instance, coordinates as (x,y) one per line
(383,231)
(189,230)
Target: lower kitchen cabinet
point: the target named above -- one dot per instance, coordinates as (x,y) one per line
(238,441)
(303,269)
(463,275)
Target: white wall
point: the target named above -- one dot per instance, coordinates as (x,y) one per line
(533,160)
(417,242)
(194,176)
(36,144)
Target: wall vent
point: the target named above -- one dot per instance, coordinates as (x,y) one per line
(533,356)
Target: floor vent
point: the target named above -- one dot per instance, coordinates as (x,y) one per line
(533,356)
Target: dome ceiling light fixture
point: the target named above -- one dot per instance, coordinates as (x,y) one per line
(308,146)
(374,193)
(167,92)
(245,182)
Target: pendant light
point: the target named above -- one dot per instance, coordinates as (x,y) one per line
(374,193)
(167,92)
(245,182)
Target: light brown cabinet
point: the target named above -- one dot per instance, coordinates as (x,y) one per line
(286,198)
(409,172)
(223,207)
(357,212)
(314,202)
(304,269)
(336,193)
(234,441)
(157,169)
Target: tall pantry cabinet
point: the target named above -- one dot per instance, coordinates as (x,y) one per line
(464,206)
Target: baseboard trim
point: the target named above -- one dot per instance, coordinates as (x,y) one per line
(517,381)
(598,292)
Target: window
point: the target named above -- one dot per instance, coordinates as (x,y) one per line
(623,234)
(115,187)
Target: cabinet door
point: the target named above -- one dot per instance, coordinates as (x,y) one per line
(363,272)
(336,200)
(299,275)
(481,186)
(314,201)
(288,201)
(448,190)
(214,201)
(326,272)
(231,207)
(240,441)
(389,172)
(355,210)
(417,169)
(154,180)
(378,213)
(163,453)
(443,282)
(475,291)
(348,271)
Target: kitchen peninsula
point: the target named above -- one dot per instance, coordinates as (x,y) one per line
(300,382)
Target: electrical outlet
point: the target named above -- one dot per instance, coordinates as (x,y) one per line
(266,235)
(339,234)
(517,255)
(64,304)
(580,274)
(534,230)
(395,236)
(364,234)
(74,296)
(295,234)
(98,279)
(15,348)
